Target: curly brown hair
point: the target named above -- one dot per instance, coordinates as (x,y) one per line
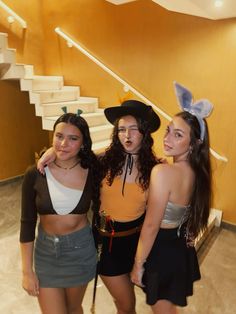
(113,161)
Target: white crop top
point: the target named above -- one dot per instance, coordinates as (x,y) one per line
(63,199)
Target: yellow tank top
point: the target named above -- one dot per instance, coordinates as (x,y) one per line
(127,207)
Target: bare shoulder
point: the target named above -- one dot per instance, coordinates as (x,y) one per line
(161,170)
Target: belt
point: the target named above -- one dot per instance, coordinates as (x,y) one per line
(116,234)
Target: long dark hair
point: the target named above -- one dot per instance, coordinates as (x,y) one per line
(199,159)
(114,158)
(88,159)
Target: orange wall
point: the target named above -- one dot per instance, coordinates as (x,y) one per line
(21,131)
(150,48)
(28,42)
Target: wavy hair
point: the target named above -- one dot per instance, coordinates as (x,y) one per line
(199,160)
(113,160)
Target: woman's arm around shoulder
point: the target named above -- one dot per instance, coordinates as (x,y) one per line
(47,158)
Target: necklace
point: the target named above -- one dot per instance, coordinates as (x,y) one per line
(66,168)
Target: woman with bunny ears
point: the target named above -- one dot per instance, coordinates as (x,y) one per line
(179,199)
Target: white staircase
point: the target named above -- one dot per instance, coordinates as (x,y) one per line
(49,95)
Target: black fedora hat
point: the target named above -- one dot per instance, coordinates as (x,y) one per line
(134,108)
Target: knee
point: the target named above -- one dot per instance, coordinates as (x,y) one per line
(75,309)
(127,307)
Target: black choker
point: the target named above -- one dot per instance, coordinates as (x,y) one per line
(66,168)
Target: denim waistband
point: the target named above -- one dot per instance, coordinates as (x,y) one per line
(62,238)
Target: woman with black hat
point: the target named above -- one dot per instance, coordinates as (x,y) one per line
(126,165)
(125,171)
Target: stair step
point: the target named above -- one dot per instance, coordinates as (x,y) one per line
(93,119)
(101,133)
(100,146)
(7,55)
(41,83)
(67,93)
(87,104)
(3,40)
(17,71)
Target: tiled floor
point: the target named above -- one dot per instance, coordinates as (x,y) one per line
(213,294)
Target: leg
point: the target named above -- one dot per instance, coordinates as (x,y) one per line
(74,297)
(164,307)
(122,291)
(52,301)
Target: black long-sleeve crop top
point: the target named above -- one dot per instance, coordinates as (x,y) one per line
(36,200)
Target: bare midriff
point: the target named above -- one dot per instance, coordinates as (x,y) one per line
(61,225)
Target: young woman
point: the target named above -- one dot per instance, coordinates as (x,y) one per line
(64,253)
(178,208)
(126,166)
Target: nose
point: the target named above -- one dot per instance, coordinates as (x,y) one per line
(127,133)
(64,142)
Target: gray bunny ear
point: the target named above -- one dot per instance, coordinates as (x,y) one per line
(202,108)
(183,95)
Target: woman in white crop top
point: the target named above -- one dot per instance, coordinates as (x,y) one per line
(59,263)
(126,166)
(178,208)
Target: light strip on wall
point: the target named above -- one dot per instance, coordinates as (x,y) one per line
(72,43)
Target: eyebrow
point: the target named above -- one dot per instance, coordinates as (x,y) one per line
(129,126)
(179,130)
(59,133)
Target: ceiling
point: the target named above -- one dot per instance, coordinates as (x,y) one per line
(201,8)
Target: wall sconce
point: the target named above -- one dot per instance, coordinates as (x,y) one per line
(219,3)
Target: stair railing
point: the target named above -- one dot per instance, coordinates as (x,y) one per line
(13,16)
(127,86)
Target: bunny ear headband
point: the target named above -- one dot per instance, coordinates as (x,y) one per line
(200,109)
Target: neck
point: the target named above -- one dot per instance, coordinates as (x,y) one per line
(65,165)
(180,160)
(134,155)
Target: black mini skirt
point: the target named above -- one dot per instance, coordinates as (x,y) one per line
(117,253)
(171,268)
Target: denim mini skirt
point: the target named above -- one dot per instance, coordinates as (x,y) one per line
(64,261)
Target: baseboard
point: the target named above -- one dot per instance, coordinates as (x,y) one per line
(228,225)
(11,180)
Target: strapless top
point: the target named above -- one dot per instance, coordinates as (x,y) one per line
(175,214)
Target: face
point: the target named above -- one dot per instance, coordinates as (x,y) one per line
(67,140)
(177,139)
(129,134)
